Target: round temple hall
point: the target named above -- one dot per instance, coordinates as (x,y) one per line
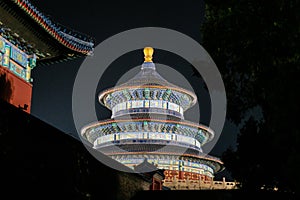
(148,125)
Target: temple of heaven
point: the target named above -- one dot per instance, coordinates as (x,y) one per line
(147,123)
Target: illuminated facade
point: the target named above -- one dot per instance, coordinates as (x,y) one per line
(29,38)
(16,60)
(148,122)
(16,65)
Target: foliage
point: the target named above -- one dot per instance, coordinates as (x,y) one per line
(255,44)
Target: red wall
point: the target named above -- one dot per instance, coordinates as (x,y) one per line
(15,90)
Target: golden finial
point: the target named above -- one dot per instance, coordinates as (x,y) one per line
(148,52)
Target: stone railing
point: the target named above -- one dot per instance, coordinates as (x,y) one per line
(186,184)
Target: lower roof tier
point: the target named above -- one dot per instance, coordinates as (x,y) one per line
(174,148)
(116,129)
(182,162)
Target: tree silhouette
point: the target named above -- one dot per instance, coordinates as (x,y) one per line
(256,46)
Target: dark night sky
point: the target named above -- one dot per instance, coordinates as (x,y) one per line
(52,91)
